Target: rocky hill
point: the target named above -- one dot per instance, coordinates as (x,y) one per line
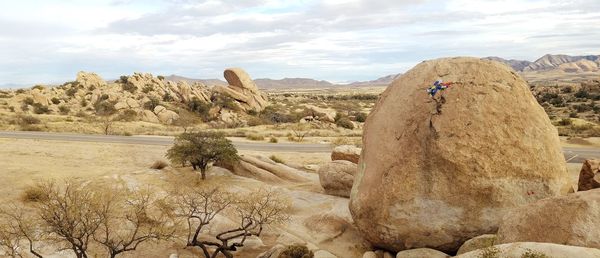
(143,97)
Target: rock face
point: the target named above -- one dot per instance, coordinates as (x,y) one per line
(589,178)
(337,177)
(242,89)
(568,220)
(435,173)
(534,250)
(346,152)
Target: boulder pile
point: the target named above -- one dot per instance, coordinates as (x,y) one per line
(438,171)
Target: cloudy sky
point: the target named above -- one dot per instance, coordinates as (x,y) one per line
(338,40)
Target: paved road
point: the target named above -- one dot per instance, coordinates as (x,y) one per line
(572,155)
(165,141)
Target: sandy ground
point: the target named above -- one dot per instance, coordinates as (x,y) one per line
(25,162)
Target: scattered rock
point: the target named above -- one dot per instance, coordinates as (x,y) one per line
(476,243)
(589,178)
(88,80)
(274,252)
(421,253)
(369,254)
(148,116)
(435,173)
(571,220)
(336,177)
(167,117)
(533,250)
(346,152)
(324,254)
(322,114)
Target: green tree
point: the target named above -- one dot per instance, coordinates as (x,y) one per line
(201,149)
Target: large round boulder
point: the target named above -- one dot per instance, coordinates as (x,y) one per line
(337,177)
(435,172)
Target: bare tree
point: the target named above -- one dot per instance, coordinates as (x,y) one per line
(107,125)
(17,225)
(129,219)
(299,133)
(199,206)
(70,214)
(186,120)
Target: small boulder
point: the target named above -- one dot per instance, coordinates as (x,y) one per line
(369,254)
(158,109)
(476,243)
(529,249)
(589,178)
(148,116)
(337,177)
(121,105)
(421,253)
(571,219)
(346,152)
(167,117)
(323,254)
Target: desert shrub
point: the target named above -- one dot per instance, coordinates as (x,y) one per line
(296,251)
(33,195)
(128,115)
(273,140)
(276,159)
(160,77)
(167,98)
(533,254)
(344,122)
(361,117)
(565,122)
(55,100)
(71,91)
(255,137)
(199,107)
(272,114)
(583,108)
(582,94)
(152,103)
(105,108)
(128,87)
(567,89)
(83,103)
(64,109)
(573,114)
(159,164)
(11,108)
(254,121)
(224,101)
(20,91)
(489,252)
(28,101)
(123,79)
(81,114)
(40,109)
(148,88)
(103,97)
(28,120)
(38,87)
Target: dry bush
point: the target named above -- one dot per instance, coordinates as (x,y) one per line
(296,251)
(198,207)
(273,140)
(277,159)
(18,225)
(159,164)
(33,194)
(255,137)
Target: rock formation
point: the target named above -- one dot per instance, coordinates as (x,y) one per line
(589,178)
(266,170)
(346,152)
(437,172)
(567,220)
(242,89)
(476,243)
(336,177)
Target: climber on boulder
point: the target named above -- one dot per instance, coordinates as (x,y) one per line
(438,86)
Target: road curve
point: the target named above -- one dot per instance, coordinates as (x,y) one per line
(572,155)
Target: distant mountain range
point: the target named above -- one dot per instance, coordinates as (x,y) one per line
(564,63)
(292,83)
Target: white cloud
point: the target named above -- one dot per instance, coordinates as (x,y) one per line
(340,40)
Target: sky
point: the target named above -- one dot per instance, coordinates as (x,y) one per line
(337,40)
